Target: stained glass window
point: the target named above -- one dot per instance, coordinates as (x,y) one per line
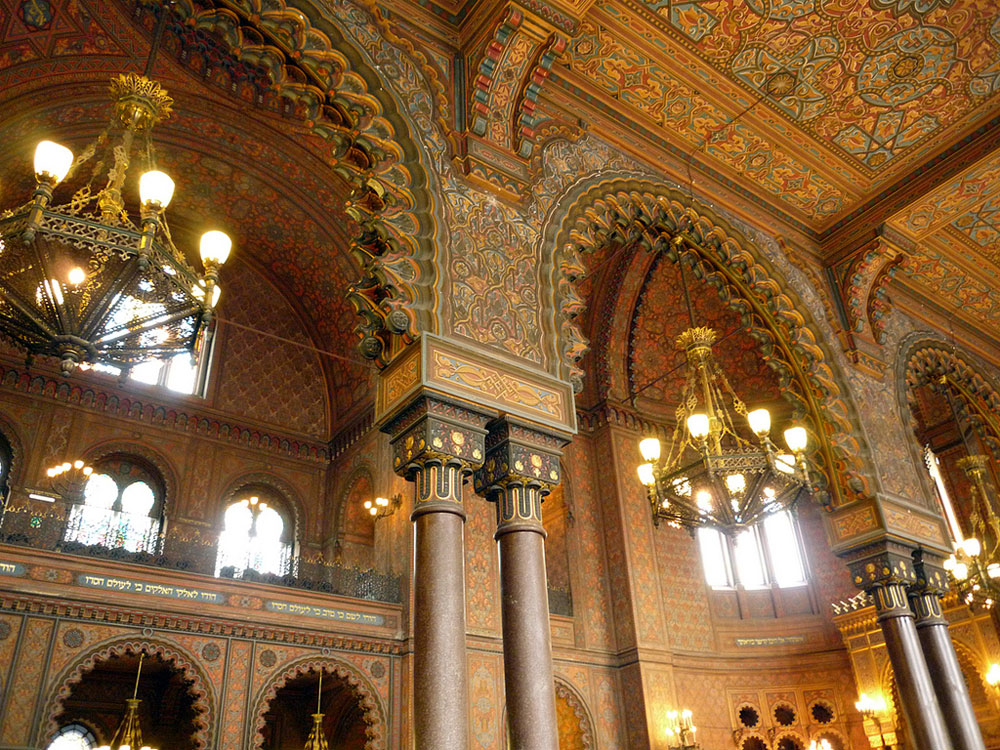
(253,537)
(73,737)
(117,509)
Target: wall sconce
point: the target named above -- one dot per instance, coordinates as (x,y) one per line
(381,507)
(992,677)
(870,708)
(681,730)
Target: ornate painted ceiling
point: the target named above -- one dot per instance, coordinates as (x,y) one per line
(831,124)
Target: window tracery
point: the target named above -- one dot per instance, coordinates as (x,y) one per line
(118,509)
(256,535)
(73,737)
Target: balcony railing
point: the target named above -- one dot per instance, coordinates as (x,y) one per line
(70,532)
(104,527)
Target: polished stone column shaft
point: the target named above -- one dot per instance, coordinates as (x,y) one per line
(527,647)
(440,684)
(913,681)
(942,661)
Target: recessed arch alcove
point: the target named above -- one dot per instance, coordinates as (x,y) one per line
(620,229)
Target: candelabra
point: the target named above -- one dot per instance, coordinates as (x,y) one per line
(871,708)
(681,730)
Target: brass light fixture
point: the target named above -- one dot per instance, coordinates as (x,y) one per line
(316,739)
(975,564)
(381,507)
(711,475)
(80,280)
(681,730)
(871,709)
(128,736)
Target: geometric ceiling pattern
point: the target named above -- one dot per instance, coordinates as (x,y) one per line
(814,102)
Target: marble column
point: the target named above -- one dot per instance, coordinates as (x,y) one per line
(939,653)
(884,570)
(435,443)
(522,463)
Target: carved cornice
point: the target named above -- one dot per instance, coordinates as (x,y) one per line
(128,616)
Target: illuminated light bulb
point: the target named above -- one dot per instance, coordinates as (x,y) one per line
(51,472)
(368,504)
(215,247)
(760,421)
(785,463)
(650,449)
(769,493)
(736,483)
(67,466)
(704,500)
(697,425)
(52,161)
(993,674)
(262,506)
(646,475)
(797,439)
(993,570)
(971,546)
(383,501)
(254,500)
(156,189)
(124,747)
(76,276)
(373,511)
(87,471)
(665,504)
(949,564)
(78,464)
(960,571)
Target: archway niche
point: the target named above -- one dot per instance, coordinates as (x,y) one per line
(952,410)
(167,712)
(353,716)
(289,716)
(357,532)
(575,728)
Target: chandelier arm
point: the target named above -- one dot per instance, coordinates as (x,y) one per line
(98,313)
(28,311)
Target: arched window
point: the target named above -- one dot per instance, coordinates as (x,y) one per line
(73,737)
(257,535)
(122,505)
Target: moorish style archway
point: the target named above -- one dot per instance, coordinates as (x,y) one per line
(202,697)
(636,215)
(374,712)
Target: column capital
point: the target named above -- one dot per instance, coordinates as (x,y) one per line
(432,428)
(882,563)
(522,465)
(931,575)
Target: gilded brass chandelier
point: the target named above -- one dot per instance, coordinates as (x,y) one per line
(80,280)
(710,474)
(975,564)
(128,736)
